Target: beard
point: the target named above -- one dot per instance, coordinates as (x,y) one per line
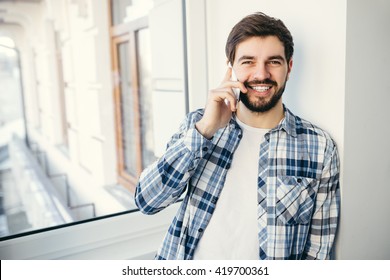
(261,105)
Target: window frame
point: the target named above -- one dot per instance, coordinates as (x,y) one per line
(127,32)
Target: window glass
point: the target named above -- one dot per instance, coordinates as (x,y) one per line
(128,10)
(127,112)
(145,95)
(13,214)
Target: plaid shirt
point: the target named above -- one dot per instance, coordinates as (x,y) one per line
(298,188)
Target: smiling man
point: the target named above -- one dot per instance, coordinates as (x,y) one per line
(260,182)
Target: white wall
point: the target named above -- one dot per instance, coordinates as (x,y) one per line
(365,228)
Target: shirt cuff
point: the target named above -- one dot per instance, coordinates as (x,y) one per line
(197,143)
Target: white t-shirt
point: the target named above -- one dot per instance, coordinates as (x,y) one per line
(232,231)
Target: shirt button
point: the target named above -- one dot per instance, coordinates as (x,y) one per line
(214,200)
(204,149)
(200,230)
(228,166)
(239,136)
(299,180)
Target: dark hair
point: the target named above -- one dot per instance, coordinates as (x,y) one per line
(259,24)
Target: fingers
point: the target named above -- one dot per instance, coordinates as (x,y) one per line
(228,83)
(235,84)
(228,75)
(225,97)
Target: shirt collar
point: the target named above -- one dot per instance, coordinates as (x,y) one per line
(288,123)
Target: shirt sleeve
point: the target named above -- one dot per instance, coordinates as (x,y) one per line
(326,214)
(163,182)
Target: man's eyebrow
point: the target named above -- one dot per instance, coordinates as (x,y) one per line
(250,57)
(246,57)
(278,57)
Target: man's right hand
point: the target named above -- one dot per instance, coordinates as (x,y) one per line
(218,112)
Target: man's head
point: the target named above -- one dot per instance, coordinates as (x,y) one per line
(259,25)
(260,48)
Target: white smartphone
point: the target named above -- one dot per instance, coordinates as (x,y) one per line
(234,78)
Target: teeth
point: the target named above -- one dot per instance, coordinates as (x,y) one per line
(261,88)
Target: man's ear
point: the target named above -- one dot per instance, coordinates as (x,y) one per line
(290,65)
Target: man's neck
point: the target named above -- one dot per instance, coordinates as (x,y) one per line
(269,119)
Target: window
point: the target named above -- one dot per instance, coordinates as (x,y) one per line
(145,95)
(92,83)
(131,56)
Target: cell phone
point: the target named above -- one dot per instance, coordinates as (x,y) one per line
(234,78)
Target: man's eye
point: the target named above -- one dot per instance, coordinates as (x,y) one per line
(247,62)
(275,62)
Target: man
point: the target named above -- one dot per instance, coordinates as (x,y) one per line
(260,182)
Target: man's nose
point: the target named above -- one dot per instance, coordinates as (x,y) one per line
(261,72)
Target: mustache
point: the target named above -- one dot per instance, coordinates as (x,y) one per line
(257,82)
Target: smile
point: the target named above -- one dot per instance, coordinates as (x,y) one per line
(261,88)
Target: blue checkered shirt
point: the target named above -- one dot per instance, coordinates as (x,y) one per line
(298,188)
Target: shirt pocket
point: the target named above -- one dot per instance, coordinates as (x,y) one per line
(295,198)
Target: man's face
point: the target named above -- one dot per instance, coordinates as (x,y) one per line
(260,64)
